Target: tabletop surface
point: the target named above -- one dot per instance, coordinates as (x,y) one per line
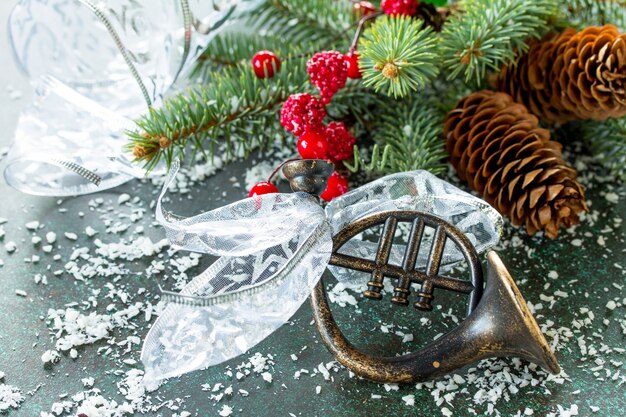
(575,285)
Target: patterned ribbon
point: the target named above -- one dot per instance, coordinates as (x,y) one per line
(273,250)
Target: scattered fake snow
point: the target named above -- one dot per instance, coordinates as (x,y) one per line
(112,310)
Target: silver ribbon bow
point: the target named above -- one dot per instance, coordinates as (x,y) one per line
(274,248)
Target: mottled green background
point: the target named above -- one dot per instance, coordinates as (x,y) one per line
(24,335)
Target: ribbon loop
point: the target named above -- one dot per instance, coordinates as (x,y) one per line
(274,249)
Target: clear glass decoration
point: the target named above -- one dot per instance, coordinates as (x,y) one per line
(95,65)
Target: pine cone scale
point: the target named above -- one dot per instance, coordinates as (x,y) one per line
(571,76)
(512,162)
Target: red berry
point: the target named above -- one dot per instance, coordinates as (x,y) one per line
(301,113)
(261,188)
(399,7)
(337,185)
(313,145)
(352,62)
(340,142)
(264,63)
(363,8)
(328,72)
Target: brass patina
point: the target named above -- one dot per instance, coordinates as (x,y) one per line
(498,323)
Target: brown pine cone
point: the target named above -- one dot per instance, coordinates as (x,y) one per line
(571,76)
(497,146)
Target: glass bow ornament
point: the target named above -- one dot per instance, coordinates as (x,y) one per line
(274,249)
(95,66)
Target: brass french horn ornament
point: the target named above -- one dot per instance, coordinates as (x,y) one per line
(498,323)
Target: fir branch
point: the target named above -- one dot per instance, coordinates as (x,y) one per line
(305,21)
(410,135)
(398,55)
(583,13)
(486,34)
(234,110)
(607,142)
(233,50)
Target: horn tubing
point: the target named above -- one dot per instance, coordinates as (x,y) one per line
(500,326)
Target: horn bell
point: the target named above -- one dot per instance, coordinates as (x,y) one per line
(513,328)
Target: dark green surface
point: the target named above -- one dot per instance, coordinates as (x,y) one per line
(24,334)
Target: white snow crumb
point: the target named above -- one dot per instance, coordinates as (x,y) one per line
(73,353)
(10,247)
(612,198)
(35,240)
(577,242)
(446,412)
(226,411)
(258,172)
(10,397)
(138,248)
(90,231)
(21,293)
(243,393)
(322,369)
(553,275)
(51,237)
(318,389)
(32,226)
(529,412)
(601,240)
(50,356)
(70,235)
(87,382)
(3,220)
(267,377)
(594,409)
(123,198)
(73,328)
(1,375)
(294,357)
(409,399)
(611,305)
(340,296)
(376,396)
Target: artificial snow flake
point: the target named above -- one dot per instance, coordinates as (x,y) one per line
(225,411)
(10,397)
(50,356)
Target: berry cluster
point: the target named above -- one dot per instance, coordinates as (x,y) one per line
(328,72)
(399,7)
(303,114)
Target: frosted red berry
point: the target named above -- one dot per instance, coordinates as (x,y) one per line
(352,63)
(337,185)
(363,8)
(399,7)
(328,72)
(340,142)
(313,145)
(261,188)
(265,63)
(301,113)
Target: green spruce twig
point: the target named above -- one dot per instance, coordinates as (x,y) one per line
(408,136)
(236,110)
(486,34)
(398,55)
(583,13)
(607,142)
